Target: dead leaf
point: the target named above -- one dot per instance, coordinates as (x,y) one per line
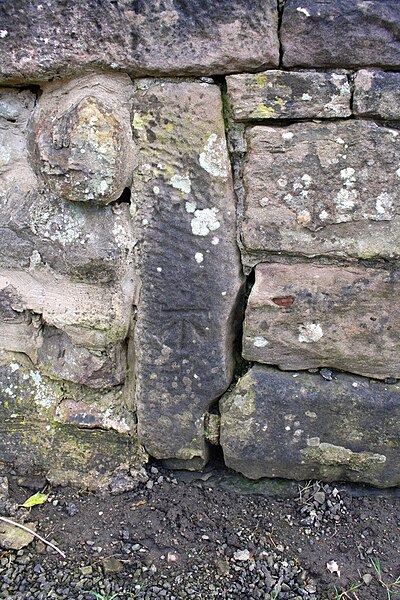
(333,567)
(35,500)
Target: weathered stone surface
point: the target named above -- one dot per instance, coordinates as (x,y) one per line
(174,37)
(67,281)
(38,428)
(304,316)
(4,488)
(82,139)
(300,426)
(69,306)
(323,188)
(98,368)
(184,210)
(75,331)
(16,176)
(87,243)
(336,33)
(14,538)
(377,94)
(284,95)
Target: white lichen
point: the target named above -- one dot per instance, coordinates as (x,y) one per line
(310,332)
(384,207)
(287,135)
(198,257)
(213,158)
(303,10)
(190,207)
(181,183)
(260,342)
(204,221)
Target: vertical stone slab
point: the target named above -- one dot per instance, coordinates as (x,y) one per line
(188,260)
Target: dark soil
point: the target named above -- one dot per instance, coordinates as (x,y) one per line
(210,535)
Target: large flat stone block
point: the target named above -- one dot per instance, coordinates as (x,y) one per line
(323,188)
(284,95)
(377,94)
(188,261)
(304,316)
(200,37)
(300,426)
(338,33)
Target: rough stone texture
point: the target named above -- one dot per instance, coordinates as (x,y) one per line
(336,33)
(323,188)
(76,331)
(38,418)
(305,316)
(82,139)
(283,95)
(14,538)
(59,357)
(37,228)
(377,94)
(174,37)
(300,426)
(67,282)
(184,210)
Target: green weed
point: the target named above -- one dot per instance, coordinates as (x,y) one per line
(392,588)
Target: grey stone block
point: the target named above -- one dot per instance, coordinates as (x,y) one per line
(377,94)
(300,426)
(338,33)
(145,37)
(284,95)
(327,188)
(188,262)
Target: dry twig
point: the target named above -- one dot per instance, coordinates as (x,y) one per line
(36,535)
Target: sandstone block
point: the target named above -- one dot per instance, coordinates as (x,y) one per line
(336,33)
(306,316)
(60,358)
(323,188)
(201,37)
(75,332)
(184,209)
(285,95)
(300,426)
(87,243)
(39,420)
(67,281)
(82,143)
(377,94)
(95,313)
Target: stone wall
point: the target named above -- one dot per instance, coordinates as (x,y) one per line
(200,237)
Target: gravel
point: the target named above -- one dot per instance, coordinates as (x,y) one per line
(183,536)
